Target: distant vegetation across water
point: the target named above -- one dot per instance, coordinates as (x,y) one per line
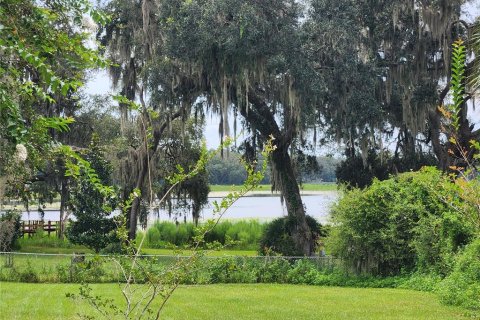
(330,186)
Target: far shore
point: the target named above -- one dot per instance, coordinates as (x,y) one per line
(265,193)
(55,206)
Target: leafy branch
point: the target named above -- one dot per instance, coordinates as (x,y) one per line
(466,177)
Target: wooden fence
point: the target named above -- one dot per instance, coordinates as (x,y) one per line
(31,227)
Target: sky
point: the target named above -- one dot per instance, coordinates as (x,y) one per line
(99,83)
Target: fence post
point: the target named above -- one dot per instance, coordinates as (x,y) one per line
(8,260)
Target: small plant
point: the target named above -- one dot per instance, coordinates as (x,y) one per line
(28,274)
(465,154)
(462,286)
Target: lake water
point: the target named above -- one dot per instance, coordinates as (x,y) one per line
(262,208)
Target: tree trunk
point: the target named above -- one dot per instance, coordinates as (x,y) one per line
(435,131)
(290,192)
(135,208)
(260,117)
(133,219)
(63,207)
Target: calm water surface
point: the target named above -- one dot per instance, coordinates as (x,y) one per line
(256,207)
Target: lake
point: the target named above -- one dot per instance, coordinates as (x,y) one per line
(263,208)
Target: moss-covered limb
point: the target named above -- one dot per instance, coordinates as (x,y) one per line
(141,158)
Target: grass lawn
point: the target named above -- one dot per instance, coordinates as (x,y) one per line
(267,187)
(48,301)
(54,250)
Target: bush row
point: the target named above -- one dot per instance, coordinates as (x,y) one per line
(208,270)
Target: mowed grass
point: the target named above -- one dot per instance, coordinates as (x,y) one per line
(267,187)
(260,301)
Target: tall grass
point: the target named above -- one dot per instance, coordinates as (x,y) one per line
(42,240)
(245,234)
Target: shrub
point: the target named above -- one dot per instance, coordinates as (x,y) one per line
(94,226)
(28,274)
(303,272)
(462,286)
(233,270)
(400,225)
(273,270)
(278,235)
(422,282)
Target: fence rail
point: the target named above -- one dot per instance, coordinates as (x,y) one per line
(30,227)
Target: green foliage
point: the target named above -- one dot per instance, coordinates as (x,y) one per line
(228,170)
(421,281)
(94,226)
(354,172)
(277,237)
(462,286)
(402,224)
(28,274)
(244,234)
(327,174)
(180,175)
(42,63)
(464,153)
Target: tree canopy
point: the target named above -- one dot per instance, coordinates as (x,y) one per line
(303,73)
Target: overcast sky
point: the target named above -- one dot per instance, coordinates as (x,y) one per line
(100,84)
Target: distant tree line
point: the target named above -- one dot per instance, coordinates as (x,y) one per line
(229,170)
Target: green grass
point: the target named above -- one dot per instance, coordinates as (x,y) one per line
(267,187)
(80,249)
(319,187)
(48,301)
(56,250)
